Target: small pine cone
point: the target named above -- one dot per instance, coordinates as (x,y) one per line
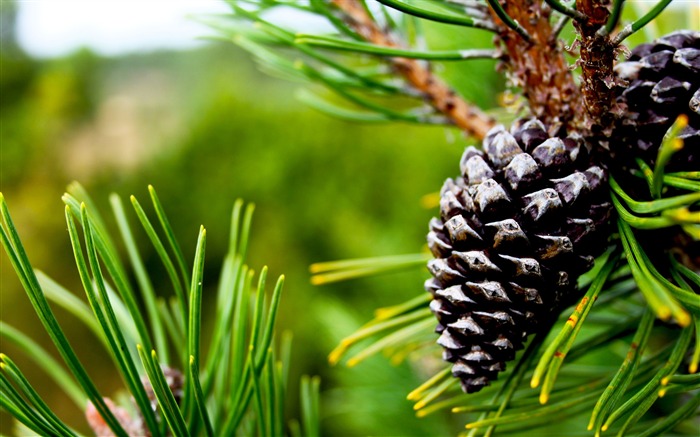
(516,230)
(132,426)
(175,380)
(659,82)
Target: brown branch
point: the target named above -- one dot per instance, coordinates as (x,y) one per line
(437,93)
(597,58)
(539,68)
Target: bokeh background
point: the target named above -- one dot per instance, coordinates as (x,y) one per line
(146,105)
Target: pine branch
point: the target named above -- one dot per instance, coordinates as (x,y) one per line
(437,93)
(537,65)
(535,61)
(597,57)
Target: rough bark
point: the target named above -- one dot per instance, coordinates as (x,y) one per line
(539,67)
(597,58)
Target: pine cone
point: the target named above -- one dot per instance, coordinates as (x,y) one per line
(517,229)
(659,82)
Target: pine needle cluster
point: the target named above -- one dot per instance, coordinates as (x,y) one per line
(170,387)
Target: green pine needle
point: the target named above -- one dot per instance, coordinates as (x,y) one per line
(325,106)
(310,405)
(71,303)
(641,401)
(641,22)
(333,271)
(208,405)
(658,296)
(168,405)
(195,314)
(567,10)
(638,222)
(614,17)
(145,285)
(396,343)
(553,357)
(46,362)
(508,20)
(439,17)
(36,405)
(23,410)
(169,235)
(193,375)
(623,377)
(685,411)
(373,49)
(165,258)
(654,206)
(96,291)
(417,394)
(669,145)
(18,257)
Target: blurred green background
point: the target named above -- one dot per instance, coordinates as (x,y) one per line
(205,127)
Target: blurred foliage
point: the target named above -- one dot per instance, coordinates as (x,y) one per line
(205,127)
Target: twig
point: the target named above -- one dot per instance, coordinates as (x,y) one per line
(440,96)
(643,21)
(597,57)
(539,66)
(613,19)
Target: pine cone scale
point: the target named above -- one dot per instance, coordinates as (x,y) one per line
(659,82)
